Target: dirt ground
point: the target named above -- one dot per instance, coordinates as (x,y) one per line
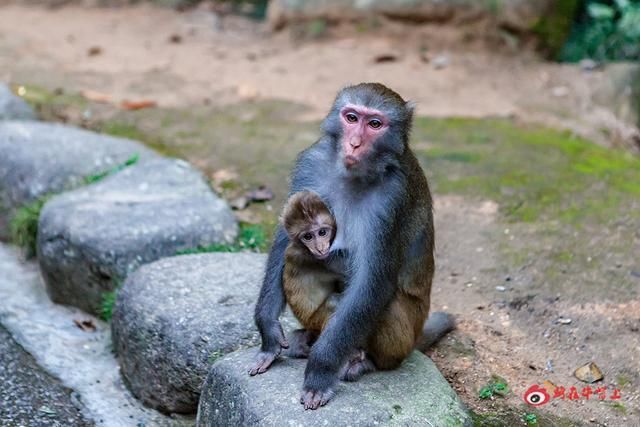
(196,57)
(534,300)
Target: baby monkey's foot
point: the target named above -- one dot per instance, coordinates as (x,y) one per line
(300,342)
(357,365)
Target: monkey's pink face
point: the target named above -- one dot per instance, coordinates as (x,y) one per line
(361,127)
(318,240)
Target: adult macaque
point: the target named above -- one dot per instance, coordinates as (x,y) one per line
(363,169)
(310,288)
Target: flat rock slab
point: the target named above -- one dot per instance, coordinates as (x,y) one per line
(91,238)
(173,318)
(13,107)
(416,394)
(42,158)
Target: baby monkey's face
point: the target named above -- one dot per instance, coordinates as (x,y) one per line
(318,237)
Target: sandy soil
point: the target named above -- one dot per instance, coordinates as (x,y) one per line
(509,327)
(223,61)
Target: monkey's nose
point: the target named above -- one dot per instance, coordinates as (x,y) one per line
(355,142)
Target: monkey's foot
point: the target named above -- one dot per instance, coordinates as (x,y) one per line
(263,361)
(273,341)
(313,399)
(300,342)
(356,367)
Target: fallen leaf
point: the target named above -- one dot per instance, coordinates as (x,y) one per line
(94,51)
(248,216)
(240,203)
(262,194)
(385,57)
(137,105)
(589,373)
(224,175)
(86,325)
(94,96)
(549,386)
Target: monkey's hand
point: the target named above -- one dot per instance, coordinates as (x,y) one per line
(313,399)
(273,341)
(318,387)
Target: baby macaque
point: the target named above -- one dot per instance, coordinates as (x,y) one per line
(310,288)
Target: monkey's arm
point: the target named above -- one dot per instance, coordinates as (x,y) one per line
(270,304)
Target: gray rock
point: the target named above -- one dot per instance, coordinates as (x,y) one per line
(618,90)
(41,158)
(521,15)
(415,394)
(82,360)
(90,238)
(13,107)
(174,317)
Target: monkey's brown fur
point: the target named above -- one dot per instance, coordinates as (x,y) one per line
(309,286)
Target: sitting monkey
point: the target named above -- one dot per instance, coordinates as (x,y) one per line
(310,288)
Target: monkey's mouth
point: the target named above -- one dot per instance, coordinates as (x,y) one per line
(350,160)
(322,256)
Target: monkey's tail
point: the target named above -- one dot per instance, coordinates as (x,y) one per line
(437,326)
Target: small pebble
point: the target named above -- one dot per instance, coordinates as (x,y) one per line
(560,91)
(564,320)
(440,61)
(500,288)
(588,373)
(589,65)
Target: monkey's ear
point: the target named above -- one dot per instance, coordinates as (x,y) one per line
(410,107)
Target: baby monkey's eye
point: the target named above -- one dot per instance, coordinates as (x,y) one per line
(375,123)
(322,232)
(307,236)
(351,118)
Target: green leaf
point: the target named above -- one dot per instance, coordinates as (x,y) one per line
(485,392)
(500,389)
(629,24)
(622,4)
(531,419)
(91,179)
(600,11)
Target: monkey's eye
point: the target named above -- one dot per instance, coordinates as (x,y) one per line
(307,236)
(351,118)
(322,232)
(375,123)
